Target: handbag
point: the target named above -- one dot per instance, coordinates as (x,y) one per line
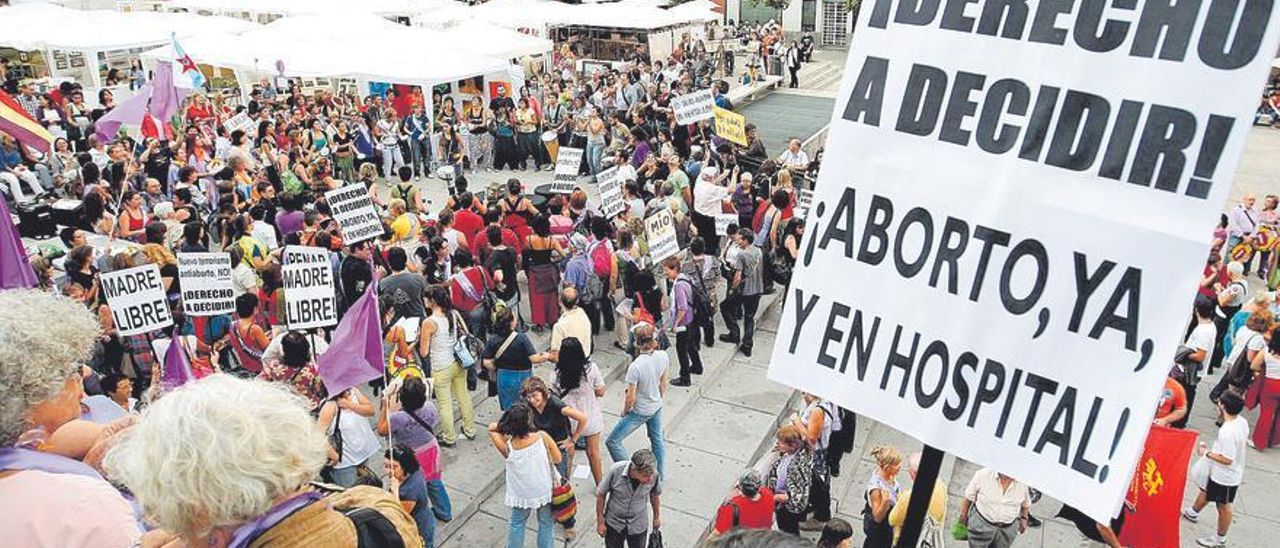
(655,538)
(1240,374)
(466,346)
(564,503)
(1253,396)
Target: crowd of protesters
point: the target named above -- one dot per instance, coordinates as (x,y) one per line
(489,265)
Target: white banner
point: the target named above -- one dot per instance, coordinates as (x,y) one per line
(1010,216)
(723,221)
(309,295)
(137,299)
(804,201)
(241,122)
(660,229)
(611,202)
(693,107)
(355,213)
(568,161)
(206,284)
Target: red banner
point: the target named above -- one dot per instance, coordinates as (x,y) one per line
(1155,492)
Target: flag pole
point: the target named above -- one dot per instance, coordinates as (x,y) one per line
(921,496)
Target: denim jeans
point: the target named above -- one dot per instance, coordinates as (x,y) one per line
(428,531)
(392,159)
(345,477)
(440,504)
(509,386)
(420,157)
(628,424)
(546,527)
(595,155)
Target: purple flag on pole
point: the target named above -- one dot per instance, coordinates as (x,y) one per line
(355,352)
(165,97)
(129,112)
(177,368)
(15,268)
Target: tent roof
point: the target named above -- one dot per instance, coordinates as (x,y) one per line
(48,26)
(299,7)
(496,41)
(339,45)
(634,14)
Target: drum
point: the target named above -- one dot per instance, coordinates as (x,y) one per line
(553,145)
(446,172)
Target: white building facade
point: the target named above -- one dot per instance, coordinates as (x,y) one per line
(830,21)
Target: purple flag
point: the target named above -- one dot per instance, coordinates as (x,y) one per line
(165,97)
(355,352)
(15,268)
(177,368)
(129,112)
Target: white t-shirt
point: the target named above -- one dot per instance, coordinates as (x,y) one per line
(1272,363)
(1230,444)
(646,373)
(1245,337)
(1202,338)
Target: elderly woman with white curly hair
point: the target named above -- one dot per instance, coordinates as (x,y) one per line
(229,462)
(44,341)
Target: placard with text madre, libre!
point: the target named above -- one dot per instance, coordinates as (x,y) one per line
(1011,218)
(136,297)
(309,294)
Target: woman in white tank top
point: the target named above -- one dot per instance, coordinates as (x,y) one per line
(448,377)
(529,454)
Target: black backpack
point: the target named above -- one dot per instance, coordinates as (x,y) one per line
(373,530)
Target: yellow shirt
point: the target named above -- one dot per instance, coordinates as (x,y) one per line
(404,227)
(937,509)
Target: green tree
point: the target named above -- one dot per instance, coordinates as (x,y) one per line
(778,6)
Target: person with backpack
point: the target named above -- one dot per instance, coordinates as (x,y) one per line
(704,270)
(509,357)
(600,251)
(469,290)
(684,304)
(259,447)
(817,421)
(407,191)
(351,439)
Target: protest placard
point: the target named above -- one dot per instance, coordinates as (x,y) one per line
(137,299)
(804,200)
(568,161)
(611,202)
(206,284)
(693,107)
(731,125)
(997,257)
(309,295)
(723,221)
(660,229)
(353,210)
(240,121)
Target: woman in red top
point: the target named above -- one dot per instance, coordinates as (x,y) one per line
(750,506)
(467,289)
(248,339)
(198,110)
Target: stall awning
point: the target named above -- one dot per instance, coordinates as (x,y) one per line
(48,26)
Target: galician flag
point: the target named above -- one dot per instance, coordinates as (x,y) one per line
(188,68)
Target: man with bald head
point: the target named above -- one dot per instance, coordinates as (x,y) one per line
(937,503)
(1242,222)
(573,322)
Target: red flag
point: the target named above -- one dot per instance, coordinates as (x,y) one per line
(1155,492)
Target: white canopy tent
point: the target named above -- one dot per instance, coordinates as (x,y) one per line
(49,26)
(253,9)
(495,41)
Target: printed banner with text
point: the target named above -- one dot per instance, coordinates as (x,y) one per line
(1012,210)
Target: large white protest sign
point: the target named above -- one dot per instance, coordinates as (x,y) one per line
(206,284)
(354,211)
(240,121)
(568,161)
(999,252)
(308,288)
(137,299)
(693,107)
(660,229)
(611,202)
(723,221)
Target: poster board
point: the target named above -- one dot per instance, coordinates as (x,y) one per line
(137,299)
(610,180)
(1049,217)
(206,284)
(660,229)
(693,107)
(730,125)
(568,162)
(354,211)
(309,294)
